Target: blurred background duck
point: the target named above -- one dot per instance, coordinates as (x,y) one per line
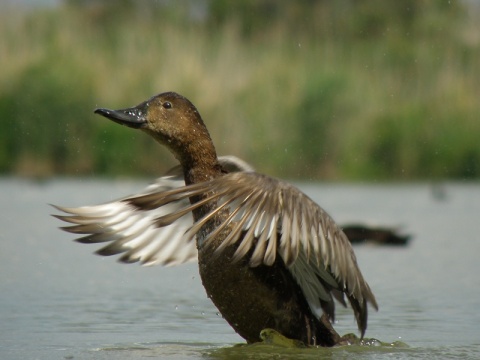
(269,257)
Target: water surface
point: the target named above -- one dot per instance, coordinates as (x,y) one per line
(58,301)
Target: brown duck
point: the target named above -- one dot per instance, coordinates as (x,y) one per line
(269,257)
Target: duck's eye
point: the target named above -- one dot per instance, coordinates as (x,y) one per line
(167,105)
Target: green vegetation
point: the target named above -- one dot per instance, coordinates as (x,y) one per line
(351,89)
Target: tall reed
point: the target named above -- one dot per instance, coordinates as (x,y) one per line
(303,104)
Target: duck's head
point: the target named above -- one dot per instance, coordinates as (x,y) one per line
(172,120)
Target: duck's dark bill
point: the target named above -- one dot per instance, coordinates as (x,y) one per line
(132,117)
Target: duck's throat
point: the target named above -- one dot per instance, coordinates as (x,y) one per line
(199,160)
(198,171)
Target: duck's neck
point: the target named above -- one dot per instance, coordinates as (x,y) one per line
(200,164)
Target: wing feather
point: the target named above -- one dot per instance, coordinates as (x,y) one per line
(312,246)
(148,227)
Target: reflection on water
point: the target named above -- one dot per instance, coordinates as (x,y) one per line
(60,301)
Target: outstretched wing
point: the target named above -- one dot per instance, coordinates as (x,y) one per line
(133,232)
(269,218)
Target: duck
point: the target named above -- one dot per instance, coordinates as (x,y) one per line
(268,256)
(359,233)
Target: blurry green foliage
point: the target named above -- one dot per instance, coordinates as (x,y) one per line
(44,120)
(351,89)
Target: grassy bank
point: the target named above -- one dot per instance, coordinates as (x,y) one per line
(399,102)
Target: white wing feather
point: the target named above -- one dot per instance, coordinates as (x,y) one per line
(135,232)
